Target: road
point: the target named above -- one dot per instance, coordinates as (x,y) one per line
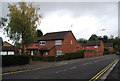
(115,73)
(83,70)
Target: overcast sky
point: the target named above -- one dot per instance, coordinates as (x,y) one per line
(86,18)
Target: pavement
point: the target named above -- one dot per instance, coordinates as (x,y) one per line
(38,64)
(115,73)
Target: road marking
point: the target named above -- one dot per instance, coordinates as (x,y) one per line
(98,75)
(45,67)
(85,64)
(65,70)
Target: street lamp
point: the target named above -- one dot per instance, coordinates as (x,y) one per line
(97,39)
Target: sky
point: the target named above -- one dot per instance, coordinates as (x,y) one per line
(82,18)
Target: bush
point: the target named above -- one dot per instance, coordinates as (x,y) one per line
(12,60)
(109,52)
(74,55)
(37,58)
(66,56)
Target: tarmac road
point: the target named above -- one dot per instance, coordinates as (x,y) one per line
(83,70)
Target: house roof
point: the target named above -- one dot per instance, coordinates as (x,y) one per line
(8,48)
(82,44)
(54,36)
(47,47)
(108,44)
(93,43)
(5,43)
(32,48)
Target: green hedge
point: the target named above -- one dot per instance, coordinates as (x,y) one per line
(66,56)
(37,58)
(74,55)
(12,60)
(109,52)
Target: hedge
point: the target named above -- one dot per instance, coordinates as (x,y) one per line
(12,60)
(66,56)
(109,52)
(74,55)
(37,58)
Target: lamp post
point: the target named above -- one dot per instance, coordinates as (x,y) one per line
(97,39)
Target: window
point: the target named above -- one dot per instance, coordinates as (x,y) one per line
(88,47)
(58,42)
(59,52)
(71,42)
(36,44)
(95,46)
(46,53)
(10,52)
(3,53)
(42,42)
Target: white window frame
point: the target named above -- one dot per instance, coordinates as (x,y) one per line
(95,46)
(58,42)
(59,52)
(71,42)
(46,53)
(10,52)
(41,42)
(3,53)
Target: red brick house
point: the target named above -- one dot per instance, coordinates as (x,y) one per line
(33,48)
(7,49)
(94,48)
(109,46)
(56,43)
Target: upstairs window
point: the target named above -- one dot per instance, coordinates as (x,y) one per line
(58,42)
(42,42)
(71,42)
(95,46)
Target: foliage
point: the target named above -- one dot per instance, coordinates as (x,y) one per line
(82,40)
(93,37)
(3,22)
(67,56)
(23,19)
(37,58)
(12,60)
(39,33)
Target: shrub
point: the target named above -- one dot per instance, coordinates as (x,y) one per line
(74,55)
(66,56)
(37,58)
(109,52)
(12,60)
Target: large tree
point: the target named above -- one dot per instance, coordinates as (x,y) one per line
(39,33)
(93,37)
(3,22)
(82,40)
(23,19)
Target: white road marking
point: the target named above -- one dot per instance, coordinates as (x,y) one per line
(65,70)
(85,64)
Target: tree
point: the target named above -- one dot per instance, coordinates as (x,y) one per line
(82,40)
(93,37)
(39,33)
(105,39)
(23,19)
(3,22)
